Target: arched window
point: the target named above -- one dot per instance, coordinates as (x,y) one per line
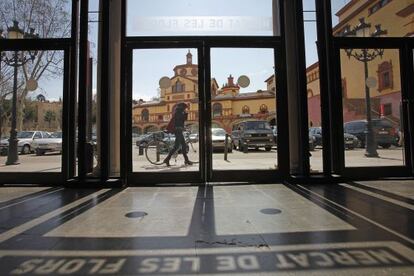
(263,108)
(178,87)
(217,110)
(145,115)
(385,77)
(245,110)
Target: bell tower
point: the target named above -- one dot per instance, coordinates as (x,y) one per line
(189,58)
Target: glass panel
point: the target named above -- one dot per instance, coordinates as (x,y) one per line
(371,82)
(243,109)
(37,86)
(214,17)
(313,87)
(93,94)
(36,19)
(392,16)
(169,89)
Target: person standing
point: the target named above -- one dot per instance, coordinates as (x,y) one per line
(180,116)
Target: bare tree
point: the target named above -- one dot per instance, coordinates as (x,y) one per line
(50,19)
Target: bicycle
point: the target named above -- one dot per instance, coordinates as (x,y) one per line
(161,144)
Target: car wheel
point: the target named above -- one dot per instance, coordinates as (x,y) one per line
(39,152)
(26,149)
(386,146)
(268,148)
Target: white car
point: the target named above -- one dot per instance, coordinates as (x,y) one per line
(53,143)
(25,141)
(218,137)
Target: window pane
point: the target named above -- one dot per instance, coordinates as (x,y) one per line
(38,111)
(362,90)
(214,17)
(32,19)
(243,112)
(394,16)
(313,87)
(158,94)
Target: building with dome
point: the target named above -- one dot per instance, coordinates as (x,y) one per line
(229,105)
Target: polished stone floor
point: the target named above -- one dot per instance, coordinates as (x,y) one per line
(354,228)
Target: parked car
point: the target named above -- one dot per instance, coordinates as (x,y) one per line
(317,133)
(383,130)
(53,143)
(194,137)
(254,134)
(312,142)
(350,141)
(144,139)
(218,138)
(25,140)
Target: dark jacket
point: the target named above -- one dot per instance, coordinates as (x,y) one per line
(180,117)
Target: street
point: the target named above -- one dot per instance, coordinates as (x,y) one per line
(253,160)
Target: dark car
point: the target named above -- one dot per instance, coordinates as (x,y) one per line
(350,141)
(383,130)
(255,134)
(317,133)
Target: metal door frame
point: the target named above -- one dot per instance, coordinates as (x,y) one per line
(203,46)
(338,156)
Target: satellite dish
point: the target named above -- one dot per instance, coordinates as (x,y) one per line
(243,81)
(31,85)
(165,82)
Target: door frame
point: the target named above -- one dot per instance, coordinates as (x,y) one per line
(338,155)
(203,45)
(262,176)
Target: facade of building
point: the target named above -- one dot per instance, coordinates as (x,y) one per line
(229,105)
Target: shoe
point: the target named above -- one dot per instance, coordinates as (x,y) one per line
(188,162)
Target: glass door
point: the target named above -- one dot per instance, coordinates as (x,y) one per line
(164,115)
(243,131)
(373,113)
(230,130)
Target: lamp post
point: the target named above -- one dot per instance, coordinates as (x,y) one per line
(16,60)
(365,56)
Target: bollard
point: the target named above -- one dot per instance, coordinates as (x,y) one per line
(226,144)
(158,152)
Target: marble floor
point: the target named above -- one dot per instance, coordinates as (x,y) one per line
(354,228)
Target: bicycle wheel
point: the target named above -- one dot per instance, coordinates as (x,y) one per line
(193,153)
(156,152)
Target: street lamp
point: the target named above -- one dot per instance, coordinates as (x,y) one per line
(365,56)
(16,60)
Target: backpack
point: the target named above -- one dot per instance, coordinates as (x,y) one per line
(171,125)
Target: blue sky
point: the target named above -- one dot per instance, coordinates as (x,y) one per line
(257,64)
